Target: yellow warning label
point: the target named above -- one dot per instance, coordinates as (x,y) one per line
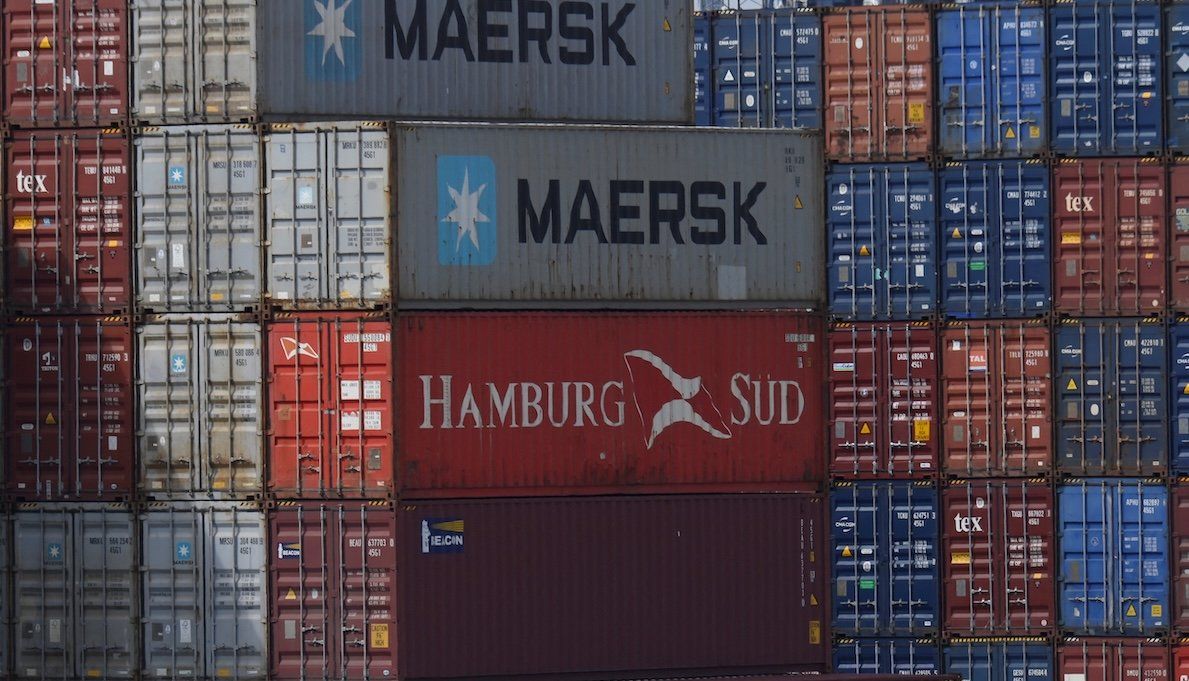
(44,43)
(1011,134)
(957,233)
(112,243)
(1034,132)
(920,429)
(1157,611)
(94,673)
(50,420)
(216,296)
(797,203)
(1072,385)
(863,251)
(815,632)
(291,595)
(1071,238)
(22,224)
(379,636)
(1131,610)
(865,429)
(223,672)
(812,599)
(1187,388)
(219,484)
(846,553)
(667,27)
(916,113)
(960,558)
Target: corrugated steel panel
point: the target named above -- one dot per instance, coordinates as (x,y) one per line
(650,215)
(883,399)
(330,405)
(1000,659)
(882,226)
(204,583)
(198,217)
(996,399)
(71,433)
(333,588)
(76,592)
(991,78)
(878,82)
(1180,658)
(200,388)
(1178,340)
(654,402)
(1114,556)
(616,60)
(1177,27)
(886,656)
(517,587)
(1112,397)
(1109,237)
(65,63)
(1105,79)
(1178,198)
(884,544)
(69,211)
(1180,554)
(995,239)
(1113,659)
(703,68)
(6,599)
(329,211)
(998,558)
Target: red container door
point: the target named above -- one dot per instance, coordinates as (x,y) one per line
(1110,250)
(999,558)
(1180,660)
(70,435)
(1179,189)
(331,405)
(1180,554)
(1113,659)
(303,625)
(996,399)
(367,550)
(69,209)
(66,63)
(883,400)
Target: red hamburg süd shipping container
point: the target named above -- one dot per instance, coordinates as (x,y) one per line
(998,560)
(883,399)
(70,428)
(1112,659)
(996,399)
(535,404)
(1179,198)
(878,83)
(330,405)
(70,222)
(65,63)
(333,601)
(1109,236)
(518,587)
(1180,555)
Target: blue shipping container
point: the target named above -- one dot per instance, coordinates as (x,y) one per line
(1179,392)
(995,239)
(1105,78)
(991,80)
(886,656)
(1178,77)
(1000,659)
(884,545)
(882,226)
(1113,535)
(702,69)
(1112,397)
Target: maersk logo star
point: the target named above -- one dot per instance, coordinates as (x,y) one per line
(330,31)
(466,210)
(466,213)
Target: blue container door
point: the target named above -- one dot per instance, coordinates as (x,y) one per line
(995,234)
(796,68)
(997,660)
(702,69)
(884,547)
(886,656)
(991,89)
(1112,398)
(738,56)
(883,247)
(1178,77)
(1114,557)
(1179,394)
(1105,78)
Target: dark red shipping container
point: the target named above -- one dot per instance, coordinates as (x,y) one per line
(535,404)
(1110,249)
(878,83)
(330,406)
(883,400)
(1112,659)
(1180,555)
(518,587)
(333,602)
(70,222)
(998,558)
(70,426)
(1180,660)
(65,63)
(996,399)
(1179,199)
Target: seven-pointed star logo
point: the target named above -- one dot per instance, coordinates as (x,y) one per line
(466,213)
(183,550)
(333,28)
(54,551)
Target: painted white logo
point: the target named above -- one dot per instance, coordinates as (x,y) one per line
(679,410)
(292,348)
(1079,204)
(425,536)
(332,28)
(466,214)
(966,523)
(30,184)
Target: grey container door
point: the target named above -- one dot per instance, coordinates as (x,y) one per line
(198,219)
(43,580)
(236,611)
(174,562)
(105,584)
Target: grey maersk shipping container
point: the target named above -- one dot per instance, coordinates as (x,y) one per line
(198,61)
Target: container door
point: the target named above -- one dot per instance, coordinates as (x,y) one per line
(104,441)
(795,49)
(174,560)
(1113,659)
(1141,387)
(232,369)
(740,58)
(304,624)
(1179,395)
(236,609)
(169,408)
(1180,556)
(852,82)
(43,578)
(106,592)
(161,86)
(1018,127)
(996,660)
(5,589)
(966,100)
(39,425)
(703,38)
(906,73)
(224,81)
(1178,77)
(361,407)
(1178,185)
(367,555)
(886,656)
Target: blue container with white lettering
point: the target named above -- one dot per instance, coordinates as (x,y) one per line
(1178,343)
(884,543)
(999,659)
(886,656)
(1177,26)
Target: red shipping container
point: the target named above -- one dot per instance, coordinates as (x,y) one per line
(996,402)
(1180,554)
(66,63)
(1179,199)
(571,403)
(70,218)
(330,406)
(1109,236)
(883,399)
(333,600)
(998,560)
(70,432)
(878,83)
(517,587)
(1112,659)
(1180,660)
